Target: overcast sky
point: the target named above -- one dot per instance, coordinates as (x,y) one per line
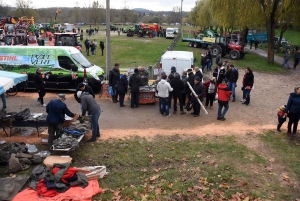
(155,5)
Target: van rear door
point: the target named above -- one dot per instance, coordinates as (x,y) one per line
(167,64)
(182,64)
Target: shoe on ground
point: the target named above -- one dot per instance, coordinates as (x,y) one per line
(175,112)
(38,100)
(243,100)
(192,113)
(131,107)
(98,136)
(278,130)
(233,100)
(182,112)
(115,101)
(223,119)
(122,105)
(219,118)
(196,115)
(43,105)
(168,115)
(289,134)
(91,140)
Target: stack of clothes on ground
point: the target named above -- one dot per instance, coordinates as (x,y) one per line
(71,135)
(16,156)
(61,182)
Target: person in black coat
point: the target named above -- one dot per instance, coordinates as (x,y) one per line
(114,77)
(170,78)
(190,80)
(248,82)
(219,74)
(134,83)
(122,88)
(177,85)
(84,88)
(102,47)
(198,73)
(40,86)
(199,90)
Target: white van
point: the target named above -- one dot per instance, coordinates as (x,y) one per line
(182,60)
(170,33)
(65,66)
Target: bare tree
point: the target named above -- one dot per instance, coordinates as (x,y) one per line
(175,14)
(24,6)
(94,11)
(3,8)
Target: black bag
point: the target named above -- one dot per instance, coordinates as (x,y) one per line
(188,106)
(23,115)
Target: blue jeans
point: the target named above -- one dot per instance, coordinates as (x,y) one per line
(95,125)
(246,93)
(164,106)
(210,63)
(232,86)
(3,101)
(203,66)
(287,62)
(226,107)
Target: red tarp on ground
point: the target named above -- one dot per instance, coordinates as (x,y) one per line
(74,193)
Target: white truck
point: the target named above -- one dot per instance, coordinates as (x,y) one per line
(182,60)
(170,33)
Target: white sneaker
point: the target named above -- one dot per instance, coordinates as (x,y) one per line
(44,105)
(168,115)
(243,100)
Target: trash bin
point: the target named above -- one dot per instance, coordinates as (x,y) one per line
(81,36)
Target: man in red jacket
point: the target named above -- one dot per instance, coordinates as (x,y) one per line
(223,99)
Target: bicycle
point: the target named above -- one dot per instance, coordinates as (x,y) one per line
(12,91)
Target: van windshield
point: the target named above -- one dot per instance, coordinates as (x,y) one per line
(79,58)
(170,30)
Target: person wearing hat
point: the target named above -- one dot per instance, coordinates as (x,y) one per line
(223,99)
(114,78)
(281,117)
(90,105)
(83,86)
(199,90)
(190,80)
(56,110)
(211,90)
(134,83)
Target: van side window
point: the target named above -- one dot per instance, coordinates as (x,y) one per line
(65,62)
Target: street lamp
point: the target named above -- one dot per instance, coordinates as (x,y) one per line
(181,20)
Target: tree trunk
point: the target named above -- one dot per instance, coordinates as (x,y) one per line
(283,29)
(271,33)
(244,36)
(221,30)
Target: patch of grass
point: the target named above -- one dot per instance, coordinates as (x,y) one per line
(290,35)
(156,169)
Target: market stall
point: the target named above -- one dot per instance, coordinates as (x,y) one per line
(147,94)
(9,80)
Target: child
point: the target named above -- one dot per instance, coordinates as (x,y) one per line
(281,117)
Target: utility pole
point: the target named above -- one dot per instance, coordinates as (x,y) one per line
(108,55)
(181,21)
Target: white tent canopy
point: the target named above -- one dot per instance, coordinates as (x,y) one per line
(10,79)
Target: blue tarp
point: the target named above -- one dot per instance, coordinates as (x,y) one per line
(10,79)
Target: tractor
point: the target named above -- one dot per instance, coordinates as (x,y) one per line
(224,46)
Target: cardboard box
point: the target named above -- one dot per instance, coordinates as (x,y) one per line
(50,160)
(44,137)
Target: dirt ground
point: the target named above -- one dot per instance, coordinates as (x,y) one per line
(270,91)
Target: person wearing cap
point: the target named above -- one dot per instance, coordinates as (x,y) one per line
(190,80)
(134,83)
(56,110)
(90,105)
(40,86)
(223,99)
(199,91)
(123,88)
(144,76)
(85,88)
(114,78)
(281,117)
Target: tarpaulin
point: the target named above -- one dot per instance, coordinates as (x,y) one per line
(75,193)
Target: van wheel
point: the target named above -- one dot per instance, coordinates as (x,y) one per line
(191,44)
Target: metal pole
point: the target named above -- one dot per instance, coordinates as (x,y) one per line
(108,56)
(181,21)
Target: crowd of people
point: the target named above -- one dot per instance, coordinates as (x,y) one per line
(91,46)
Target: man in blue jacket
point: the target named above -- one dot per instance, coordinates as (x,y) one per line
(56,110)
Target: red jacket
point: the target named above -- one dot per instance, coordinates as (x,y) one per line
(223,92)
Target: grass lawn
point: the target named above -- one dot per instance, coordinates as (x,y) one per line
(251,167)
